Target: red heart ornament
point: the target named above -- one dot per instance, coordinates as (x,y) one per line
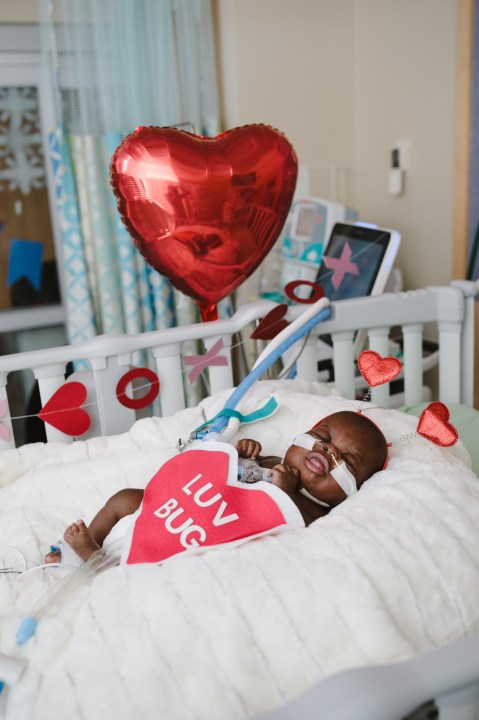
(434,425)
(63,409)
(377,370)
(271,324)
(204,212)
(189,504)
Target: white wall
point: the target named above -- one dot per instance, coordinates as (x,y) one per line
(346,79)
(404,89)
(289,63)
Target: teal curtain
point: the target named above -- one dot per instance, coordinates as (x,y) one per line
(113,65)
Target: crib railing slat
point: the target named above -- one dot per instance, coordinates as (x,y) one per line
(50,378)
(220,376)
(113,416)
(7,439)
(379,342)
(170,374)
(413,374)
(343,360)
(449,362)
(307,363)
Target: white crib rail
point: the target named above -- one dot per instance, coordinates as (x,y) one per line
(448,675)
(109,356)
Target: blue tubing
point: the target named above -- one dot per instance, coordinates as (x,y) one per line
(26,630)
(256,373)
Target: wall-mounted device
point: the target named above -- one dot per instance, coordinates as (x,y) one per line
(400,166)
(306,236)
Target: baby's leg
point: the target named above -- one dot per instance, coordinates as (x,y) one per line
(86,540)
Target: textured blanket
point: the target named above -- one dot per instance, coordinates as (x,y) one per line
(232,632)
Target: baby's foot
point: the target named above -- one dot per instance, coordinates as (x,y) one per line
(54,556)
(80,539)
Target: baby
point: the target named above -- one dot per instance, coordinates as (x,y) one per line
(318,472)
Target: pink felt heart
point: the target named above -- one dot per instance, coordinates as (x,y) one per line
(377,370)
(63,409)
(188,503)
(4,430)
(435,426)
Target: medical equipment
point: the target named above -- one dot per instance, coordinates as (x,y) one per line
(249,471)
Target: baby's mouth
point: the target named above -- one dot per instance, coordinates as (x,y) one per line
(317,463)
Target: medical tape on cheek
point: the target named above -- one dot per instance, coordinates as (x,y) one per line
(305,441)
(344,478)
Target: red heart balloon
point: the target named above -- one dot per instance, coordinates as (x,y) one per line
(434,425)
(204,212)
(189,503)
(63,410)
(377,370)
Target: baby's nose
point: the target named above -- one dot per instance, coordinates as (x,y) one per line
(331,450)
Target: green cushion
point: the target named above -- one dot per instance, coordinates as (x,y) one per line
(466,421)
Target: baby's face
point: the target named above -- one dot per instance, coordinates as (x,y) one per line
(340,437)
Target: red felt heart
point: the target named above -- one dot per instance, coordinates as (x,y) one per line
(63,409)
(271,324)
(377,370)
(203,211)
(188,503)
(435,426)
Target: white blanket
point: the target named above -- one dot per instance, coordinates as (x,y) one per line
(227,634)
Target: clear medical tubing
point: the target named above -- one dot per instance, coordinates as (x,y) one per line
(62,590)
(249,471)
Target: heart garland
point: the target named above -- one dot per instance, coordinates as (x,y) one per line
(434,422)
(63,410)
(271,324)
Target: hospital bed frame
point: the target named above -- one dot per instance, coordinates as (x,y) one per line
(108,357)
(446,678)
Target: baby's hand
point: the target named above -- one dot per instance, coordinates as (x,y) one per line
(248,448)
(285,477)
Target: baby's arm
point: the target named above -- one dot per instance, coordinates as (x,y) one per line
(125,502)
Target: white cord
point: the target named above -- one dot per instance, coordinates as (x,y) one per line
(22,560)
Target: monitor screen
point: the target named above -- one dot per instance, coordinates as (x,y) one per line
(353,262)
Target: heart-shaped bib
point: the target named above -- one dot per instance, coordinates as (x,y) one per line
(434,425)
(377,370)
(63,409)
(195,501)
(203,211)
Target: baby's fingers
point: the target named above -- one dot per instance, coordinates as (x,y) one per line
(248,448)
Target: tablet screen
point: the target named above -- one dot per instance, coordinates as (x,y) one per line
(353,261)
